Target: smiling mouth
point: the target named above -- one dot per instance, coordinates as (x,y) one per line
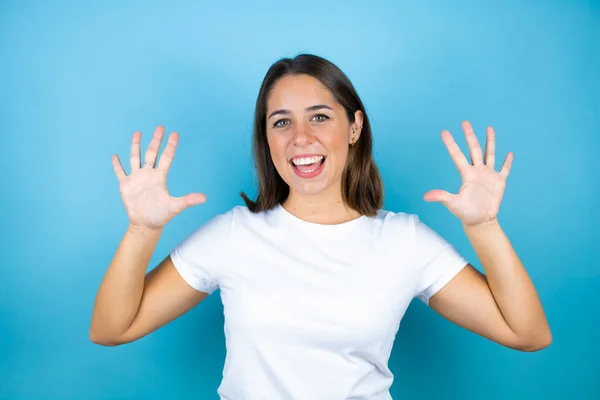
(307,167)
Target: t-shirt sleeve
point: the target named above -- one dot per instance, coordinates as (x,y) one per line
(201,256)
(438,261)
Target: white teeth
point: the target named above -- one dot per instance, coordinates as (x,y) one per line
(307,160)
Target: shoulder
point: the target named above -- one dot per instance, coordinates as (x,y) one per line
(397,221)
(235,214)
(242,220)
(241,213)
(390,230)
(239,218)
(216,233)
(405,228)
(409,222)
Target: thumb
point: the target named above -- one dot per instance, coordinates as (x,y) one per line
(438,195)
(189,200)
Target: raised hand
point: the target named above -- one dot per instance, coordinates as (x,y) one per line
(479,197)
(144,191)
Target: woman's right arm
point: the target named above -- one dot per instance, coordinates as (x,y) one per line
(130,303)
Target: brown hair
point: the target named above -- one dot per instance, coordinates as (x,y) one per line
(362,188)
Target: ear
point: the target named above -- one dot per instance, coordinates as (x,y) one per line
(357,125)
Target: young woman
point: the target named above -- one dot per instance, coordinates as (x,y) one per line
(314,276)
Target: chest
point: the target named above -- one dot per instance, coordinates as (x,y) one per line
(338,294)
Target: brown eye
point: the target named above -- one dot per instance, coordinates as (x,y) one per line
(280,123)
(321,117)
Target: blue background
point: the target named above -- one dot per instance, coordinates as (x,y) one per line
(76,80)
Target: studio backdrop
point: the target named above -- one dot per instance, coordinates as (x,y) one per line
(78,78)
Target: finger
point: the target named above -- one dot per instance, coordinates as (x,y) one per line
(438,196)
(505,170)
(118,168)
(457,156)
(154,146)
(181,203)
(134,158)
(473,143)
(490,147)
(167,155)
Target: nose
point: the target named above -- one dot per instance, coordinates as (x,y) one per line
(302,135)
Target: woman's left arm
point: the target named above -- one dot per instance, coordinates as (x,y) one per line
(501,305)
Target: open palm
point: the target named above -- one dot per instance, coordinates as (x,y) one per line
(144,191)
(480,194)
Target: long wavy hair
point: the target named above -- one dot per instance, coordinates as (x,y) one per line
(362,188)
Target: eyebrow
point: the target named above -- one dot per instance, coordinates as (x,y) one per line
(308,109)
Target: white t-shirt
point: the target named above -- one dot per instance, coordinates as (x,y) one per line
(311,310)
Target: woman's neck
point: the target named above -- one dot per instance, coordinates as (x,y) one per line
(319,209)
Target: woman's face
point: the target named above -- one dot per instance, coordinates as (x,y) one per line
(309,135)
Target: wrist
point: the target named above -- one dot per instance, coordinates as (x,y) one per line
(484,226)
(144,231)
